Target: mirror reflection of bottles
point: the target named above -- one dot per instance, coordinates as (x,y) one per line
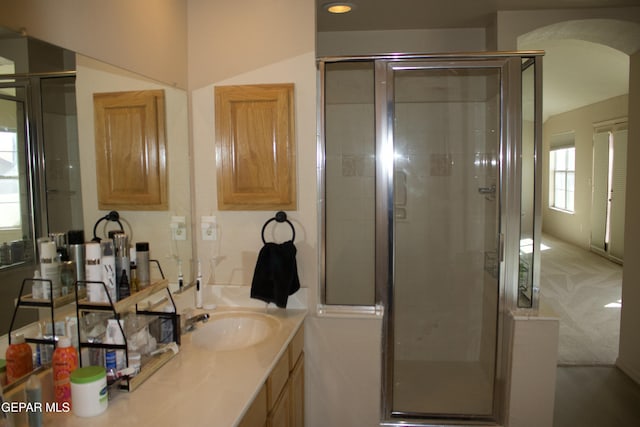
(108,264)
(60,240)
(123,267)
(93,273)
(75,247)
(142,264)
(67,276)
(50,269)
(133,278)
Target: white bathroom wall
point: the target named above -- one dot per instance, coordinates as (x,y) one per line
(148,37)
(576,227)
(629,357)
(239,242)
(349,43)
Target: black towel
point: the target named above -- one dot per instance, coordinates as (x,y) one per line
(276,274)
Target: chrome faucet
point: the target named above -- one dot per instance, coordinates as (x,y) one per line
(190,323)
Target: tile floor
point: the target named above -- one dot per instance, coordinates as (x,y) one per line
(596,396)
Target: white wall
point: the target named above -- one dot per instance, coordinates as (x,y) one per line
(576,227)
(348,43)
(227,39)
(629,356)
(512,24)
(145,36)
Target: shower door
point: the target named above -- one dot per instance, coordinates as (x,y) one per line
(445,129)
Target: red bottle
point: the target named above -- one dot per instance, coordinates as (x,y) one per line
(19,358)
(64,361)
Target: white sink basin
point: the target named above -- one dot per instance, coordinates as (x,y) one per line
(234,330)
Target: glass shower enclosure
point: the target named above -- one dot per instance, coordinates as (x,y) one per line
(456,139)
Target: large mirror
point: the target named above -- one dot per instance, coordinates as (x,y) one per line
(48,182)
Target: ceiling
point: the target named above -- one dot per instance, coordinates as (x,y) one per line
(415,14)
(576,73)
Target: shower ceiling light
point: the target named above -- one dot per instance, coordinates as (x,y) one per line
(339,7)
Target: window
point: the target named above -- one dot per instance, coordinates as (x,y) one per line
(562,179)
(9,184)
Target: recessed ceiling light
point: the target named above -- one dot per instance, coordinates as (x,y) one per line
(339,7)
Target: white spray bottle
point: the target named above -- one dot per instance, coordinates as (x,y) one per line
(199,286)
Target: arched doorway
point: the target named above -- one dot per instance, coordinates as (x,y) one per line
(609,40)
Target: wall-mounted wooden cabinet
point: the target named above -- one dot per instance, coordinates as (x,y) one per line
(131,155)
(255,147)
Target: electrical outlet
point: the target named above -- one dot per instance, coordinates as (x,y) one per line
(178,228)
(208,228)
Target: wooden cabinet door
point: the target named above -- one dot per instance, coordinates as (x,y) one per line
(131,163)
(256,415)
(255,147)
(280,415)
(296,394)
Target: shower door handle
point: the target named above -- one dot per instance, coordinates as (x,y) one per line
(487,190)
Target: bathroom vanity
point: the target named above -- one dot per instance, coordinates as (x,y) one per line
(258,382)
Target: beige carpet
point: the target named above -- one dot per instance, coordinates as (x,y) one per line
(584,289)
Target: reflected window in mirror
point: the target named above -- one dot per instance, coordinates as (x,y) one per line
(39,161)
(16,234)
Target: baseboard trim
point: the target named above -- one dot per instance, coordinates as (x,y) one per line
(632,373)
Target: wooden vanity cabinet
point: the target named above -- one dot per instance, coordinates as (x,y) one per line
(280,402)
(296,393)
(256,415)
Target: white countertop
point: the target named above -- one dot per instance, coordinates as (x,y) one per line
(197,387)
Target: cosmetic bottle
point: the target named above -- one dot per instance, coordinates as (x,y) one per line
(50,268)
(60,239)
(6,417)
(33,391)
(93,273)
(5,254)
(114,359)
(19,358)
(123,267)
(108,265)
(133,268)
(142,264)
(64,361)
(67,276)
(36,286)
(75,246)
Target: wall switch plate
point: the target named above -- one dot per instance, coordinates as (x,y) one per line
(209,228)
(178,228)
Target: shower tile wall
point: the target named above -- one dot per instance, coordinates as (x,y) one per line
(350,174)
(436,159)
